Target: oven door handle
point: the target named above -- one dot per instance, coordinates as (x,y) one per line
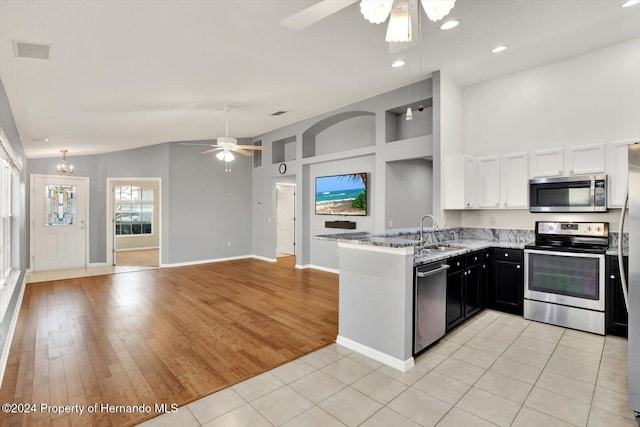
(561,253)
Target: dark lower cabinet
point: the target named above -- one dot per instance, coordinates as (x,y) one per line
(455,292)
(465,288)
(472,290)
(506,284)
(616,310)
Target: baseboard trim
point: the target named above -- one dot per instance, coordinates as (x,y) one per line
(4,357)
(205,261)
(400,365)
(263,258)
(318,267)
(137,249)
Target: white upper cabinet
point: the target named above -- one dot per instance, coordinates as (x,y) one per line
(502,182)
(586,159)
(470,185)
(487,182)
(617,172)
(457,183)
(546,163)
(514,182)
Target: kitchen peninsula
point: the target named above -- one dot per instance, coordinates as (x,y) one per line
(376,307)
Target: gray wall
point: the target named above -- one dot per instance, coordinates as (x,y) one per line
(342,141)
(323,253)
(193,180)
(210,209)
(20,222)
(346,135)
(409,190)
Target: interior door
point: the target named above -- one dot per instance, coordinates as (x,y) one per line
(285,202)
(58,222)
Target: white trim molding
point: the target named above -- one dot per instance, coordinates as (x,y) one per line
(4,357)
(400,365)
(318,267)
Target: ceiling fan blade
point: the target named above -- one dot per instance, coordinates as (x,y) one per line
(194,143)
(315,13)
(241,151)
(253,147)
(213,150)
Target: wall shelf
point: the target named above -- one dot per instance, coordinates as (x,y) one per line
(397,128)
(283,150)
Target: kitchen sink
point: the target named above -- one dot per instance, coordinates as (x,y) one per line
(443,248)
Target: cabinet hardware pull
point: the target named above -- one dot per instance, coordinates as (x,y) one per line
(505,204)
(559,172)
(517,266)
(497,204)
(613,276)
(570,171)
(506,255)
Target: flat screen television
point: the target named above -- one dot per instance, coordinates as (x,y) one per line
(342,194)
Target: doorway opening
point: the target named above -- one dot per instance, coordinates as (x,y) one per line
(286,223)
(134,222)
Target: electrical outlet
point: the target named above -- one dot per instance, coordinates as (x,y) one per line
(492,220)
(229,243)
(390,223)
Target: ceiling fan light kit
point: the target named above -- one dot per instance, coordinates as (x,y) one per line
(437,9)
(376,11)
(399,29)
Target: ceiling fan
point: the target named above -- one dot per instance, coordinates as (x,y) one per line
(374,11)
(227,145)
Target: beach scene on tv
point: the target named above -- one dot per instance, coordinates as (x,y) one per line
(342,194)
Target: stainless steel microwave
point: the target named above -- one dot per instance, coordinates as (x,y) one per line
(578,193)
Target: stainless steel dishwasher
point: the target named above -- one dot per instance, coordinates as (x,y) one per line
(429,305)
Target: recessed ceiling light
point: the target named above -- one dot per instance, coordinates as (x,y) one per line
(399,63)
(499,49)
(450,24)
(630,3)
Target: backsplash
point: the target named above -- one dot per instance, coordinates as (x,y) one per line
(613,240)
(499,235)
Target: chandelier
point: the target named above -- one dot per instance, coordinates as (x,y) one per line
(399,29)
(62,168)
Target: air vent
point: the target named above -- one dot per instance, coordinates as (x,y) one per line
(279,113)
(31,50)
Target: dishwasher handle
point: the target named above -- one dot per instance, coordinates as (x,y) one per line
(431,272)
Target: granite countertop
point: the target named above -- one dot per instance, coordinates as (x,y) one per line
(613,250)
(467,240)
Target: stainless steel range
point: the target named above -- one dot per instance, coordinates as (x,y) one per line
(564,275)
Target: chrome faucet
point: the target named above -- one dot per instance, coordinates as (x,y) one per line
(435,226)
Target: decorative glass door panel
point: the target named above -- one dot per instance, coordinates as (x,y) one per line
(60,205)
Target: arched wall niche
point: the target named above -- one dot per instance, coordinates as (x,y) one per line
(340,132)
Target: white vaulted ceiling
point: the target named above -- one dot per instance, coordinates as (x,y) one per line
(125,74)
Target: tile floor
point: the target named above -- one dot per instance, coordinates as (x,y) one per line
(496,369)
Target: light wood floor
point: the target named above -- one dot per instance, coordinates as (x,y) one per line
(147,258)
(168,335)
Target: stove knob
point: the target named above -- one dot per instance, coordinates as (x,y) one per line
(588,228)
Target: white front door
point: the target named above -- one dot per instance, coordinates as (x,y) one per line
(285,210)
(59,206)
